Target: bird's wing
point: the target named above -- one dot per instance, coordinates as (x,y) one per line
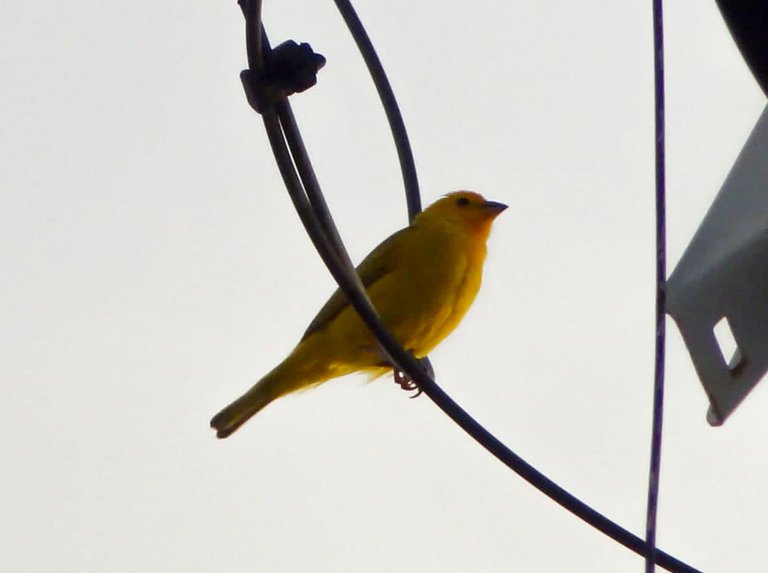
(376,265)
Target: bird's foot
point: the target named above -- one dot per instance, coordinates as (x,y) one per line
(407,383)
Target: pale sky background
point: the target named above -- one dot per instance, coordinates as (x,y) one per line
(153,269)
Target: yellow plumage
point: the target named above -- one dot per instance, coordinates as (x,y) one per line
(422,280)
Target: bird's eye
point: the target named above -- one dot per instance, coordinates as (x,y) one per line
(462,201)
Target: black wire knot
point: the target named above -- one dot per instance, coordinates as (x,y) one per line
(289,68)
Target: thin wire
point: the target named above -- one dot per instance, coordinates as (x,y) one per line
(308,185)
(253,34)
(349,283)
(661,279)
(387,96)
(545,484)
(345,276)
(311,184)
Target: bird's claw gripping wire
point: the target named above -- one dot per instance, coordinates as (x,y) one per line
(406,382)
(290,68)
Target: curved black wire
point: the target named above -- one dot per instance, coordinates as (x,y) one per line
(280,126)
(654,471)
(387,96)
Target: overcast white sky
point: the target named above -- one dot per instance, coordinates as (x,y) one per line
(153,269)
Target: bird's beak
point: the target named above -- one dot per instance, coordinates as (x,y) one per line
(494,208)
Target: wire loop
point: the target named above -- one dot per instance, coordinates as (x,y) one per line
(304,190)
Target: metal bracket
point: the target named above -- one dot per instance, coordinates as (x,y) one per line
(723,274)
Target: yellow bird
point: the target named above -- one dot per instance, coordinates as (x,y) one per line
(422,280)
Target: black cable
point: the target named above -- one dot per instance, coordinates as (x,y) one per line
(311,184)
(661,288)
(387,96)
(253,34)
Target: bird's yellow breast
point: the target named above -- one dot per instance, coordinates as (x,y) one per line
(436,276)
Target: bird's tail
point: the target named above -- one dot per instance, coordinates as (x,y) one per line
(245,407)
(291,375)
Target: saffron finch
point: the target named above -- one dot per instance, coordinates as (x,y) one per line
(422,280)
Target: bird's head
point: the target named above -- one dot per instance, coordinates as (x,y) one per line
(465,208)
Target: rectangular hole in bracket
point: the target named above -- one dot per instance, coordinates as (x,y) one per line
(728,345)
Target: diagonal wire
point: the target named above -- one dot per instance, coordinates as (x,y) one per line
(279,127)
(661,278)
